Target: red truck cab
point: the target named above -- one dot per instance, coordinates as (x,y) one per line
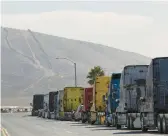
(87,99)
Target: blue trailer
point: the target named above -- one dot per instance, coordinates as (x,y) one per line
(112,99)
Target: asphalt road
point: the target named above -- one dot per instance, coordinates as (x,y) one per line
(22,124)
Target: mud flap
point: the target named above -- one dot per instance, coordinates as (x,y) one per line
(137,123)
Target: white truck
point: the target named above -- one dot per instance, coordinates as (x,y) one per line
(132,87)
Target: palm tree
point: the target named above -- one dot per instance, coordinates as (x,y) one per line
(93,73)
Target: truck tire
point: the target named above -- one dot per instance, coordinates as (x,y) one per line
(128,122)
(83,120)
(93,122)
(165,124)
(117,125)
(143,128)
(32,113)
(48,115)
(113,120)
(159,123)
(108,124)
(131,123)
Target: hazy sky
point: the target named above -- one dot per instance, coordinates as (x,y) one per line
(140,27)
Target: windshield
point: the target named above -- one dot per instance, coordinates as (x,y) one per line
(163,69)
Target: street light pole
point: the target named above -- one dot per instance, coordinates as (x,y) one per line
(74,68)
(75,75)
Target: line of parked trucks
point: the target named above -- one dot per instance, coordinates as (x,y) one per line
(135,98)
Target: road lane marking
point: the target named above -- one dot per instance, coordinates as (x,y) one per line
(68,131)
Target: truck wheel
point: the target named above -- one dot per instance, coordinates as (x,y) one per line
(92,122)
(143,128)
(128,122)
(32,113)
(108,124)
(48,115)
(131,123)
(83,120)
(159,124)
(165,124)
(116,122)
(118,126)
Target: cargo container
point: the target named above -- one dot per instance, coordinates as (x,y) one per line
(132,87)
(48,111)
(37,104)
(112,99)
(154,105)
(87,99)
(97,111)
(73,97)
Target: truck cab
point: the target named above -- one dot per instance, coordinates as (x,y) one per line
(154,105)
(112,99)
(37,104)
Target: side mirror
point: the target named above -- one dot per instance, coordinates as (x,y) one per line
(142,99)
(31,104)
(117,100)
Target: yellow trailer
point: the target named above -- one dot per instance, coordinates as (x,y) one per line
(73,97)
(99,93)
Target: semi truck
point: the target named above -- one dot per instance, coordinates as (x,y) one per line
(73,97)
(48,110)
(132,87)
(97,110)
(154,105)
(58,105)
(112,99)
(87,99)
(37,104)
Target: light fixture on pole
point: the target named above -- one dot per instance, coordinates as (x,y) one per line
(74,68)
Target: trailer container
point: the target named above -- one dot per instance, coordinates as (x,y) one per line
(154,105)
(73,97)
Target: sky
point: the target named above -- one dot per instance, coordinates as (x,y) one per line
(140,26)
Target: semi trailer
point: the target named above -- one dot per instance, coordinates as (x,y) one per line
(37,104)
(87,99)
(112,99)
(132,87)
(97,110)
(48,110)
(154,105)
(73,97)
